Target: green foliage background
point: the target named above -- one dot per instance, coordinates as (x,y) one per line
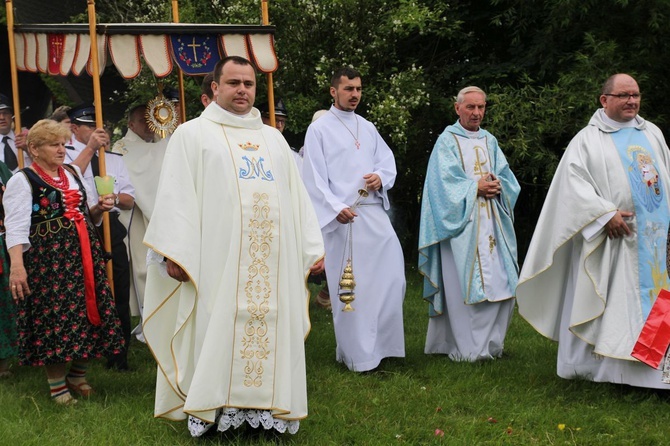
(541,62)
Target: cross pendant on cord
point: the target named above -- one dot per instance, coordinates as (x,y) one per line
(358,145)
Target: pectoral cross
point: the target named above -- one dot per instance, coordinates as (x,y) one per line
(194,46)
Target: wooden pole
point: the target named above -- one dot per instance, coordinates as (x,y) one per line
(180,74)
(15,76)
(99,123)
(271,93)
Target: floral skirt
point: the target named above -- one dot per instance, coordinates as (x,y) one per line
(53,326)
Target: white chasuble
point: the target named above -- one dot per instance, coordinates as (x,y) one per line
(232,211)
(477,165)
(578,286)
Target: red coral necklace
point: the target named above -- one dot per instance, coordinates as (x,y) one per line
(61,182)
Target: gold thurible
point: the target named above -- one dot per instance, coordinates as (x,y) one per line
(347,285)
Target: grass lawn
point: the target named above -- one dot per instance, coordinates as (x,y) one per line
(516,400)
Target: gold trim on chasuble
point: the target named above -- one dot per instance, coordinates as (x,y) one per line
(256,320)
(478,169)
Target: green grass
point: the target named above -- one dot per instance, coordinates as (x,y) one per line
(516,400)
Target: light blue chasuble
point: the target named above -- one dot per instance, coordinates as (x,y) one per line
(651,212)
(450,213)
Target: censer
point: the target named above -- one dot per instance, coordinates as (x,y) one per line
(347,282)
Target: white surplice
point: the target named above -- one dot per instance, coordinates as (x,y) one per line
(333,171)
(143,162)
(232,211)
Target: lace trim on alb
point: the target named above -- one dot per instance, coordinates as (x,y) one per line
(231,417)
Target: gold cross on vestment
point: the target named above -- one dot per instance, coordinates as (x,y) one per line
(194,46)
(479,171)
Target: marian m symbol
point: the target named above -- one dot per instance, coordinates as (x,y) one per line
(254,169)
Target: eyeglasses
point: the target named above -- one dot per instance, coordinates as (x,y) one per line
(625,96)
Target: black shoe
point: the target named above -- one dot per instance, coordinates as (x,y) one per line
(118,363)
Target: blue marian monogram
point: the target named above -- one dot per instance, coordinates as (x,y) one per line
(255,169)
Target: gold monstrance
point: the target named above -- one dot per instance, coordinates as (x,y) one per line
(347,282)
(161,115)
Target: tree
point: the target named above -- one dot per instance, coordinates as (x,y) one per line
(541,62)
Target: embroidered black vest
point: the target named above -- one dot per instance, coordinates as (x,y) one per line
(48,211)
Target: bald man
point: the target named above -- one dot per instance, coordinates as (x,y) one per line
(597,260)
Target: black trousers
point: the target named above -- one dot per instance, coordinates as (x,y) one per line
(121,272)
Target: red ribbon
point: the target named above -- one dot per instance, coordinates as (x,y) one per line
(71,199)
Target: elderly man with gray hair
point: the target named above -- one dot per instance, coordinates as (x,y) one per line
(467,244)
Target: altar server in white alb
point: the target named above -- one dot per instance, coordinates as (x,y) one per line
(597,260)
(239,237)
(343,154)
(467,244)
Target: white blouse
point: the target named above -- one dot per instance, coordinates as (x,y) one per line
(17,201)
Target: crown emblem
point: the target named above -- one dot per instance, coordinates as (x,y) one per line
(249,147)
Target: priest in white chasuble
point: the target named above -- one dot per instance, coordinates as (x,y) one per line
(235,231)
(597,260)
(467,244)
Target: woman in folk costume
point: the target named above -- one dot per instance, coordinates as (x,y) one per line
(66,311)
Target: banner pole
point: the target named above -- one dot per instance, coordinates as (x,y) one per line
(99,123)
(15,77)
(271,93)
(180,73)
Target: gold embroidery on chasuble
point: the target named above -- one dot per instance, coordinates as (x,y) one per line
(257,302)
(492,244)
(481,161)
(258,288)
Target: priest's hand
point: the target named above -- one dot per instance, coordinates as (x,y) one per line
(175,271)
(488,187)
(617,227)
(346,215)
(372,181)
(317,268)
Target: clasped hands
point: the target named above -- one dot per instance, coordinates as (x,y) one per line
(488,187)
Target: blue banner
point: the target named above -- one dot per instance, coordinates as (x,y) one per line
(195,53)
